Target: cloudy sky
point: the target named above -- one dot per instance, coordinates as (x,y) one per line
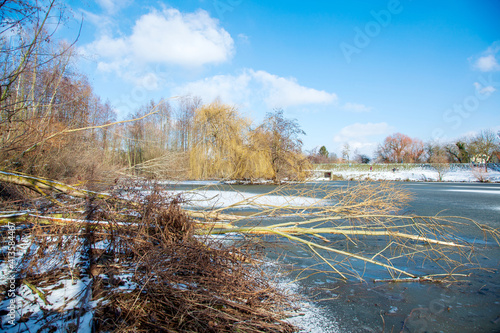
(348,71)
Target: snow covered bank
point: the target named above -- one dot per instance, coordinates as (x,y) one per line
(417,174)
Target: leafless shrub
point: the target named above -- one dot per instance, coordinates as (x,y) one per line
(479,173)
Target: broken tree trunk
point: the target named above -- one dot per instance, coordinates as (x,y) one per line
(45,186)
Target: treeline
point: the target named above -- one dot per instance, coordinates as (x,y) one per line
(42,97)
(53,124)
(483,147)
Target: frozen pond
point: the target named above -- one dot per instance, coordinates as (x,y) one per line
(469,305)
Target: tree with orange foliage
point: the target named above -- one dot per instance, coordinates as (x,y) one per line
(400,148)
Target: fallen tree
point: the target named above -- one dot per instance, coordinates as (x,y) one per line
(46,186)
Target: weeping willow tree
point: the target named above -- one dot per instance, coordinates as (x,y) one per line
(257,162)
(217,141)
(225,147)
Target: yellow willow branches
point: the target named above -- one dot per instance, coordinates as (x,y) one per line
(356,214)
(339,226)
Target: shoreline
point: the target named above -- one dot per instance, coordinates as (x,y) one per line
(415,174)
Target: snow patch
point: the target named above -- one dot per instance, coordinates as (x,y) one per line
(218,199)
(312,318)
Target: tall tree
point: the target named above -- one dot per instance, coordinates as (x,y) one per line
(323,152)
(400,148)
(483,145)
(285,145)
(185,117)
(217,142)
(41,98)
(346,151)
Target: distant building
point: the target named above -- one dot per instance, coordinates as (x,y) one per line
(483,158)
(479,158)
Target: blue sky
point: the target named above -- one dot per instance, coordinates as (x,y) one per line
(348,71)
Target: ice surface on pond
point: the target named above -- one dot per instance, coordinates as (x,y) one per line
(217,199)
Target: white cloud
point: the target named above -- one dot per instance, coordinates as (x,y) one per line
(191,39)
(167,37)
(488,61)
(253,85)
(283,92)
(354,107)
(108,47)
(229,88)
(485,91)
(363,137)
(362,131)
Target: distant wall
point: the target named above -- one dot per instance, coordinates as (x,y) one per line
(399,166)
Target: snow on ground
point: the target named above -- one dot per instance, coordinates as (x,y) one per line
(419,174)
(63,302)
(191,182)
(62,309)
(313,319)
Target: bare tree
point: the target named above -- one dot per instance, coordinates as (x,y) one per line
(482,146)
(346,151)
(321,156)
(400,148)
(39,94)
(185,116)
(438,157)
(285,145)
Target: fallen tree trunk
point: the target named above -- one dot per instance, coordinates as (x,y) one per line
(335,231)
(40,185)
(45,186)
